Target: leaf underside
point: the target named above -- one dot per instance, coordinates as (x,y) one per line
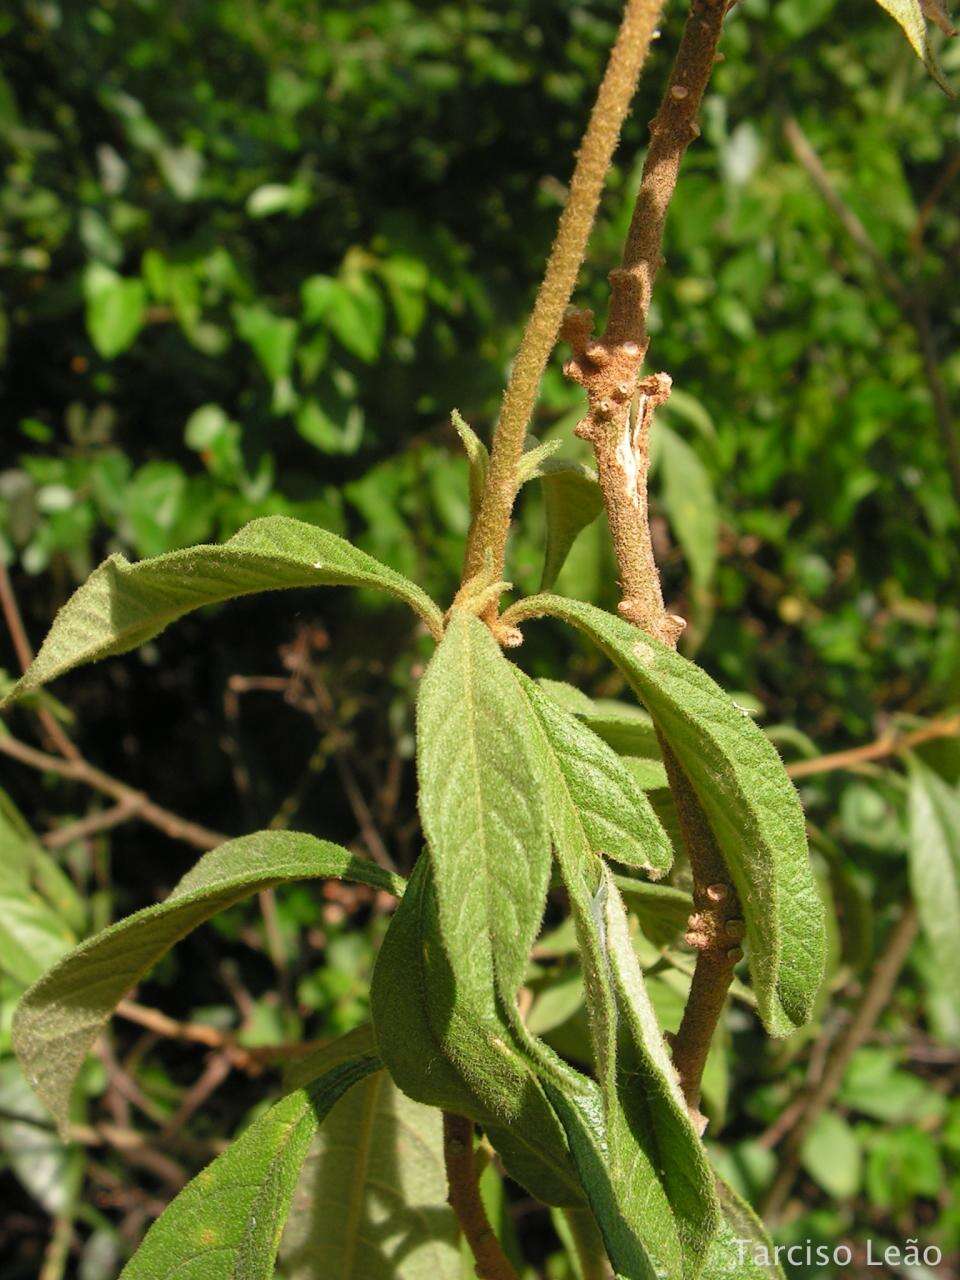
(61,1015)
(123,605)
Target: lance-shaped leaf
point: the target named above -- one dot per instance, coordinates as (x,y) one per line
(571,501)
(742,1249)
(371,1200)
(690,503)
(640,1160)
(934,853)
(62,1014)
(749,802)
(226,1223)
(123,605)
(912,19)
(481,808)
(616,817)
(478,456)
(445,1051)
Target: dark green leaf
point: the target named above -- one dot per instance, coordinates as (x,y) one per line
(571,501)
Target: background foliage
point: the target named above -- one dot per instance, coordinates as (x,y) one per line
(253,255)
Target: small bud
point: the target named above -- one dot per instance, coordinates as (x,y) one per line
(631,349)
(597,353)
(679,92)
(717,892)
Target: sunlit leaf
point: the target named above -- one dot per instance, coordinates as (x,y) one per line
(910,15)
(934,859)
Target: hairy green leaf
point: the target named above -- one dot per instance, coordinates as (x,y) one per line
(616,817)
(752,808)
(443,1051)
(934,858)
(371,1200)
(226,1223)
(742,1249)
(481,809)
(571,501)
(910,15)
(478,457)
(123,605)
(60,1016)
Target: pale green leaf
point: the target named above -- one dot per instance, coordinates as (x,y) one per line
(909,14)
(371,1200)
(273,338)
(534,460)
(690,503)
(32,936)
(571,501)
(751,806)
(443,1053)
(115,309)
(934,862)
(663,911)
(59,1018)
(39,1159)
(478,457)
(833,1157)
(615,815)
(226,1223)
(627,729)
(351,309)
(123,605)
(481,809)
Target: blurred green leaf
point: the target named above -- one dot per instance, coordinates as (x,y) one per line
(115,309)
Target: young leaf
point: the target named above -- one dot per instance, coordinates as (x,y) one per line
(910,15)
(571,501)
(60,1016)
(371,1200)
(742,1249)
(478,457)
(226,1223)
(443,1052)
(123,605)
(738,779)
(481,809)
(934,854)
(535,459)
(615,815)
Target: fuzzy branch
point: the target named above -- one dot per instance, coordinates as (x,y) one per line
(488,534)
(464,1199)
(620,408)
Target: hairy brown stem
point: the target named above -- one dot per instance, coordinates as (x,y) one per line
(464,1199)
(887,745)
(618,424)
(875,998)
(488,533)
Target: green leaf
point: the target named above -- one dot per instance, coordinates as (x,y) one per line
(123,605)
(909,14)
(571,501)
(32,936)
(481,809)
(59,1018)
(478,456)
(641,1163)
(226,1223)
(272,338)
(535,459)
(115,309)
(442,1052)
(833,1157)
(751,806)
(371,1200)
(35,1154)
(353,312)
(742,1249)
(691,505)
(614,814)
(934,861)
(662,910)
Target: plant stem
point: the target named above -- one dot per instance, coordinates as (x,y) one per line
(608,369)
(488,533)
(672,130)
(464,1199)
(875,998)
(887,745)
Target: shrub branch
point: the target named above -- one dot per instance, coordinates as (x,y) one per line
(488,533)
(464,1199)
